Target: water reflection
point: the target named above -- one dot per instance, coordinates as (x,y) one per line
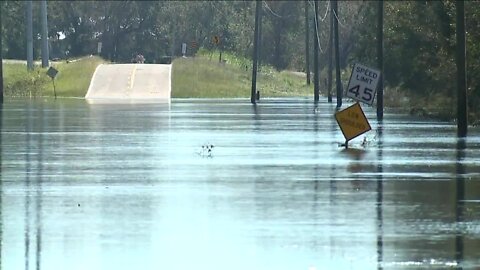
(43,124)
(380,194)
(1,187)
(460,202)
(332,198)
(28,171)
(97,186)
(33,167)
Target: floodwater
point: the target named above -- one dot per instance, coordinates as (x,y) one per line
(134,186)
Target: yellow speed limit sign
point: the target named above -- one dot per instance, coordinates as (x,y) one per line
(352,121)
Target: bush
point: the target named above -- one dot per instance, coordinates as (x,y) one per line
(18,82)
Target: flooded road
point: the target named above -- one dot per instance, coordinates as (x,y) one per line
(135,186)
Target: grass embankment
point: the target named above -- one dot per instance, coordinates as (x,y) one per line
(204,76)
(72,79)
(200,77)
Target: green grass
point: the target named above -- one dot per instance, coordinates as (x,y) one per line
(18,82)
(72,80)
(199,77)
(205,77)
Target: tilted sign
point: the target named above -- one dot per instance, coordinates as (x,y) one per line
(52,72)
(362,85)
(352,121)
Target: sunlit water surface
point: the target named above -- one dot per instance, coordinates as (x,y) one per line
(133,186)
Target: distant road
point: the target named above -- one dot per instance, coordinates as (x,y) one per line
(130,82)
(36,62)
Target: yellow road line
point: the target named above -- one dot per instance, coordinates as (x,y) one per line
(132,76)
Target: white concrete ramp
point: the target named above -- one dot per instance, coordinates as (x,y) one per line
(130,82)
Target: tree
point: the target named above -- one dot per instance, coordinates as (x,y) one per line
(14,47)
(77,21)
(472,16)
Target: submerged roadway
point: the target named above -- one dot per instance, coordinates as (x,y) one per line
(130,82)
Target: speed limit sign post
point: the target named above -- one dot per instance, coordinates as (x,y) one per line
(362,85)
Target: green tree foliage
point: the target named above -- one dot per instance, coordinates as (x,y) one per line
(282,29)
(75,21)
(472,10)
(419,38)
(13,46)
(419,54)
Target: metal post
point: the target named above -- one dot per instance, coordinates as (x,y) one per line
(460,200)
(316,79)
(255,53)
(330,57)
(259,54)
(462,121)
(337,55)
(380,60)
(54,90)
(1,61)
(45,55)
(307,44)
(29,36)
(380,223)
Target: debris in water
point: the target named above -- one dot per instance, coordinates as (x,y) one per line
(207,150)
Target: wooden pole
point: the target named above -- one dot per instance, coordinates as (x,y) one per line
(380,60)
(54,90)
(259,53)
(462,121)
(330,57)
(316,75)
(337,55)
(44,34)
(307,43)
(1,58)
(255,54)
(29,36)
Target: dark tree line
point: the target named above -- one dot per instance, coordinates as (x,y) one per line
(420,45)
(158,28)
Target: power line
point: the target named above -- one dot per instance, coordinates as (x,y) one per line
(316,30)
(326,12)
(271,11)
(310,2)
(338,20)
(352,23)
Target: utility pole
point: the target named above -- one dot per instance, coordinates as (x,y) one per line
(29,36)
(259,45)
(462,121)
(45,55)
(337,54)
(330,56)
(1,62)
(307,43)
(316,79)
(380,60)
(255,53)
